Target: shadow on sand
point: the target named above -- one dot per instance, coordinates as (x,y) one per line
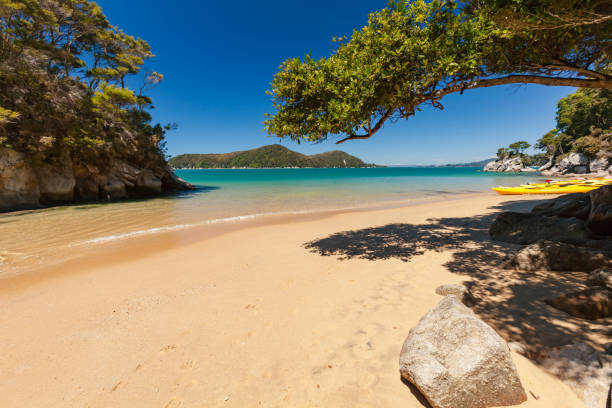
(510,301)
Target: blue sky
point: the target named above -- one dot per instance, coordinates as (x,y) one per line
(218,59)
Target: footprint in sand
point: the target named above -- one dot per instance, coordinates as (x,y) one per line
(167,348)
(189,365)
(173,404)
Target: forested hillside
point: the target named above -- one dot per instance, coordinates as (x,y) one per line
(70,127)
(266,156)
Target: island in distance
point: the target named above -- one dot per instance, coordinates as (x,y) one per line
(271,156)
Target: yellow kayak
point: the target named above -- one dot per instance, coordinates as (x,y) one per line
(556,187)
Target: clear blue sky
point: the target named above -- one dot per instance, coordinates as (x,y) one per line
(218,58)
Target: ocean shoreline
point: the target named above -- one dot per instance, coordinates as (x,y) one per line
(256,314)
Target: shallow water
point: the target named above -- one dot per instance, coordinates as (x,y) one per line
(229,196)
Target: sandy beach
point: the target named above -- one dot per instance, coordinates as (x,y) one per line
(310,312)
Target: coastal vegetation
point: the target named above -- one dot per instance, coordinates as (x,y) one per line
(74,109)
(583,129)
(271,156)
(414,53)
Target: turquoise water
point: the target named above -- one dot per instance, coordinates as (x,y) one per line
(312,189)
(231,196)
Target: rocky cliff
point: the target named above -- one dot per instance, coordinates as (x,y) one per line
(32,181)
(509,165)
(578,163)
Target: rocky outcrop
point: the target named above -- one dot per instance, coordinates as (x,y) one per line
(585,370)
(579,164)
(461,292)
(32,182)
(600,277)
(558,256)
(591,303)
(528,228)
(18,182)
(576,205)
(457,361)
(511,165)
(56,179)
(600,216)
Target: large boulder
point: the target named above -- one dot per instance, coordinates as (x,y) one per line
(591,303)
(578,159)
(600,277)
(513,164)
(491,166)
(457,361)
(558,256)
(583,369)
(569,205)
(600,217)
(18,182)
(56,179)
(599,165)
(522,228)
(460,291)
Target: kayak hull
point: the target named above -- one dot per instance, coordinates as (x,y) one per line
(543,190)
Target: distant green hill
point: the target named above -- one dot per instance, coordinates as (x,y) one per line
(266,156)
(472,164)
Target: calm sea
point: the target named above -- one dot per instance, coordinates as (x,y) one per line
(230,196)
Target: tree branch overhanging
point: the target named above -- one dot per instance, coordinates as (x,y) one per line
(371,131)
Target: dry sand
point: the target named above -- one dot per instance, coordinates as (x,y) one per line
(251,317)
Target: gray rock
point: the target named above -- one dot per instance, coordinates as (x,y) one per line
(580,170)
(599,165)
(558,256)
(600,277)
(18,182)
(528,170)
(591,303)
(584,370)
(569,205)
(460,291)
(600,217)
(457,361)
(521,228)
(578,159)
(514,164)
(491,166)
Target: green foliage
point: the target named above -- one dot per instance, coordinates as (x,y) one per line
(416,52)
(517,148)
(503,153)
(266,157)
(63,71)
(583,119)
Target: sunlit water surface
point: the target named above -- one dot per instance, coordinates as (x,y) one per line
(229,196)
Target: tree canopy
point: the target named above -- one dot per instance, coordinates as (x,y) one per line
(416,52)
(63,80)
(584,123)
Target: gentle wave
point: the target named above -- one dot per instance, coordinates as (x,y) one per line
(164,229)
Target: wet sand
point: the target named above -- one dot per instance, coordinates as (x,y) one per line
(305,313)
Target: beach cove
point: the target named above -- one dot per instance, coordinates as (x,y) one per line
(260,316)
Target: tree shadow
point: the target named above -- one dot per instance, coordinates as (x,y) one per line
(510,301)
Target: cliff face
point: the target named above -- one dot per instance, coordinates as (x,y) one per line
(578,163)
(33,181)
